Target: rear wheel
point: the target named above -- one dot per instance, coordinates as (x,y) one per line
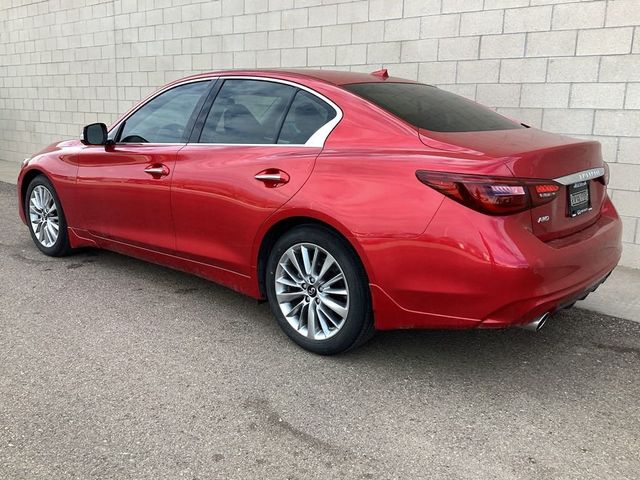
(45,218)
(318,291)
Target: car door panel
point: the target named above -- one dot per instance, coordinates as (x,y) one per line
(124,202)
(124,186)
(253,158)
(219,205)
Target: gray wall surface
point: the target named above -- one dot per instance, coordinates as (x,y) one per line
(567,66)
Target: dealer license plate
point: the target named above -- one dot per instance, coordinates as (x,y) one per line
(579,200)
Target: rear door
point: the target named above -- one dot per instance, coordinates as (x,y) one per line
(255,149)
(124,187)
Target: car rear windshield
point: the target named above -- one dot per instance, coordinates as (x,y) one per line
(430,108)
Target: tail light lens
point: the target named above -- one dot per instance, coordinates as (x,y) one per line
(491,195)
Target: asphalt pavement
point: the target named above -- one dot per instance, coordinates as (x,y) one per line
(113,368)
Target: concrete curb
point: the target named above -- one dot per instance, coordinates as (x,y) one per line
(619,296)
(9,172)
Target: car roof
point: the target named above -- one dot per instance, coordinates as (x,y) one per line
(334,77)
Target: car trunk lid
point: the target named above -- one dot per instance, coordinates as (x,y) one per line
(575,164)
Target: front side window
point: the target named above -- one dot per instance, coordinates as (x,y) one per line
(164,119)
(247,111)
(307,114)
(430,108)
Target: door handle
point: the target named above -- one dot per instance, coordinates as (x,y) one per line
(157,171)
(269,177)
(272,177)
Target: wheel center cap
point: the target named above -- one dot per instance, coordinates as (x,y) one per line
(311,291)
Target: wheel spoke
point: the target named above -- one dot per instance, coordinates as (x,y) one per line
(36,197)
(49,203)
(293,276)
(41,234)
(327,315)
(53,233)
(323,323)
(285,281)
(339,309)
(333,280)
(40,198)
(47,235)
(311,321)
(328,261)
(306,261)
(314,261)
(304,317)
(288,296)
(295,309)
(294,261)
(335,291)
(33,205)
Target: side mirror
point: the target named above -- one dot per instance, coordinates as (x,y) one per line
(94,134)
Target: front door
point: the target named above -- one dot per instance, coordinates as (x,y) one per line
(125,188)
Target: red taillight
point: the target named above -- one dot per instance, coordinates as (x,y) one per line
(546,190)
(491,195)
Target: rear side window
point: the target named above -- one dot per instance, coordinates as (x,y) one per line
(430,108)
(247,111)
(307,114)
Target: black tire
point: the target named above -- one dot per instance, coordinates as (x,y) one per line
(61,246)
(358,323)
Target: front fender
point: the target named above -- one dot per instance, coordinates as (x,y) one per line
(59,163)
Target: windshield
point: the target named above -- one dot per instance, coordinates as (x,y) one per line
(430,108)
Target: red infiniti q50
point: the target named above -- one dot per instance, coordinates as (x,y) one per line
(351,202)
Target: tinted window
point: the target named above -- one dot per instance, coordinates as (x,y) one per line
(307,114)
(247,111)
(431,108)
(164,118)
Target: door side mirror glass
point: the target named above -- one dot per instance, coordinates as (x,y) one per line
(94,134)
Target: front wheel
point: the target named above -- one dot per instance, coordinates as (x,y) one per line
(45,218)
(318,291)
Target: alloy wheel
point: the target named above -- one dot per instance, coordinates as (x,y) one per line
(43,216)
(312,291)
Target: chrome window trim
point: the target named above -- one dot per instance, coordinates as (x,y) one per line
(316,140)
(281,145)
(580,176)
(115,127)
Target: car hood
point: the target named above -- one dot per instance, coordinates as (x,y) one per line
(60,145)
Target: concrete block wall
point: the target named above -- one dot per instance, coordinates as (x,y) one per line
(567,66)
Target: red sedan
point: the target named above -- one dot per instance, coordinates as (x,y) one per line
(351,202)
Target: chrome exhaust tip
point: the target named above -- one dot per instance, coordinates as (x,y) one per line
(536,324)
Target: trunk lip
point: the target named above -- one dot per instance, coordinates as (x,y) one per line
(582,176)
(480,143)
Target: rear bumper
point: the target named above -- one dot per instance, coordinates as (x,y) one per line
(469,270)
(536,307)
